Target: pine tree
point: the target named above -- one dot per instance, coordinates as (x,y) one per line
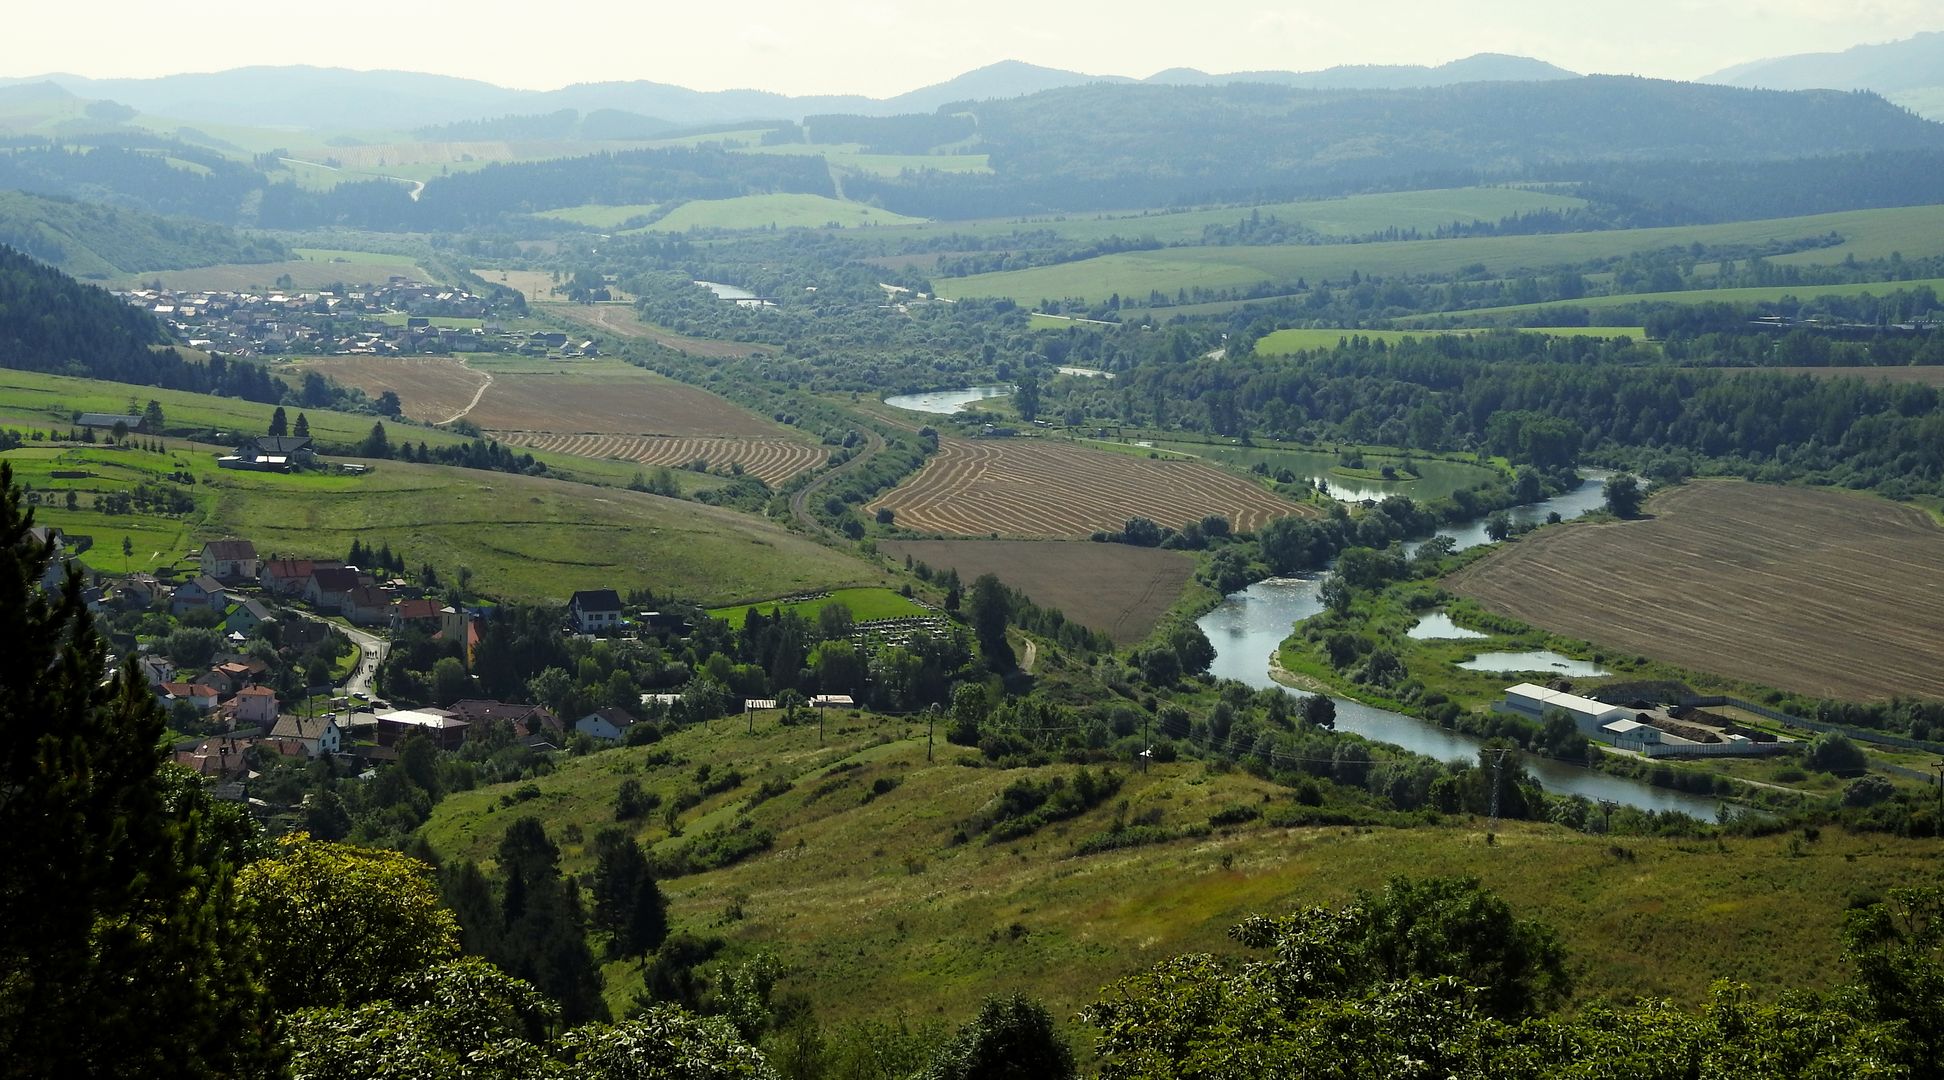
(302,430)
(121,948)
(279,424)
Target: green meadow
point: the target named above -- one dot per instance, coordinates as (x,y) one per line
(1767,294)
(600,217)
(864,604)
(1283,342)
(1866,234)
(774,211)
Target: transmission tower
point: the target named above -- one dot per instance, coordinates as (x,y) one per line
(1498,770)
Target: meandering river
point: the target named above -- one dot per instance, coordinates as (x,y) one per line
(1249,626)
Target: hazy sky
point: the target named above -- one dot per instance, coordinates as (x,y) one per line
(880,47)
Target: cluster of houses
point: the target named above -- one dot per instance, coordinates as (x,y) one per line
(399,317)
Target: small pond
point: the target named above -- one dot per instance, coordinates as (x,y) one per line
(1438,626)
(946,401)
(1542,660)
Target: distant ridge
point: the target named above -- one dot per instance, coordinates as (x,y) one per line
(303,97)
(1909,72)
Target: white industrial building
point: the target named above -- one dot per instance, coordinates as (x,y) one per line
(1534,702)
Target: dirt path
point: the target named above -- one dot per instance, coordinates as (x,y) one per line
(800,502)
(474,403)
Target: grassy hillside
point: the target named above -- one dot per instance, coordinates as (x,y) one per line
(1753,295)
(1866,234)
(874,909)
(93,241)
(524,538)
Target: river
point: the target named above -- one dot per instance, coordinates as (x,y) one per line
(1249,626)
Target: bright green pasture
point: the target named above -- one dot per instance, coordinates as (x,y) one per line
(437,322)
(1767,294)
(1436,477)
(1916,232)
(864,604)
(600,217)
(1284,342)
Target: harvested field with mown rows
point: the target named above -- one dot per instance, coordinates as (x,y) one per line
(772,461)
(1819,592)
(1037,488)
(1119,590)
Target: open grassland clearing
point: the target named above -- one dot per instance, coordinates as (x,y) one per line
(431,389)
(1035,487)
(263,277)
(536,285)
(1284,342)
(1866,234)
(1436,477)
(600,217)
(621,320)
(529,538)
(851,157)
(1819,592)
(785,211)
(1119,590)
(1765,294)
(1355,215)
(864,605)
(874,911)
(772,461)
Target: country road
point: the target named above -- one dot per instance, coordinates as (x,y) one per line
(371,653)
(800,502)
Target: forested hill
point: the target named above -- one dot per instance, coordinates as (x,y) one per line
(89,240)
(1098,147)
(51,322)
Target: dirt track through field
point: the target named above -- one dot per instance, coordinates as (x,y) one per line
(433,389)
(1819,592)
(1038,488)
(620,320)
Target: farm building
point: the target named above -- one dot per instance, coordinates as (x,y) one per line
(1534,702)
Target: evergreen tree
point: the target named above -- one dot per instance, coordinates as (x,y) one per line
(627,902)
(375,444)
(302,430)
(279,424)
(121,947)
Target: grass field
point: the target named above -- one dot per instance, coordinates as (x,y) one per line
(535,284)
(864,604)
(1755,295)
(1037,488)
(1436,478)
(600,217)
(263,277)
(621,321)
(1913,231)
(1118,590)
(1284,342)
(1820,592)
(873,912)
(1355,215)
(774,211)
(850,157)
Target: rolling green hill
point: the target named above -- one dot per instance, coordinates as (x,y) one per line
(874,909)
(88,240)
(1865,234)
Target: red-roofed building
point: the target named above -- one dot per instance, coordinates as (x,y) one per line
(285,577)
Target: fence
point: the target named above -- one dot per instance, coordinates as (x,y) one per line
(1859,734)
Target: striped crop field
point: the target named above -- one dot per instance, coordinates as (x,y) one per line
(772,461)
(1036,488)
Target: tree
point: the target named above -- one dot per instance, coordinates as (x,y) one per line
(388,404)
(339,925)
(302,429)
(128,552)
(152,417)
(663,1043)
(1012,1038)
(628,904)
(375,445)
(988,610)
(450,681)
(1336,594)
(1498,526)
(1833,752)
(1897,948)
(279,424)
(1623,495)
(1319,710)
(1455,927)
(122,943)
(1141,532)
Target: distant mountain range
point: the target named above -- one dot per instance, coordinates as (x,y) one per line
(1909,72)
(315,98)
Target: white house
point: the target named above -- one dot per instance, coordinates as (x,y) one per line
(318,736)
(255,705)
(607,725)
(595,611)
(230,560)
(201,591)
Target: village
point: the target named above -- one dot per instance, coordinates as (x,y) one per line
(400,317)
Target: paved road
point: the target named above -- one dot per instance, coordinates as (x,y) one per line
(371,653)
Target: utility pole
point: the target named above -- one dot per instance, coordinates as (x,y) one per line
(1498,768)
(931,721)
(1939,766)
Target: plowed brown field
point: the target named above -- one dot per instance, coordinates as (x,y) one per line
(1033,487)
(770,460)
(432,389)
(1818,592)
(1119,590)
(623,403)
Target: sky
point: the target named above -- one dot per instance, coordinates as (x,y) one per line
(883,47)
